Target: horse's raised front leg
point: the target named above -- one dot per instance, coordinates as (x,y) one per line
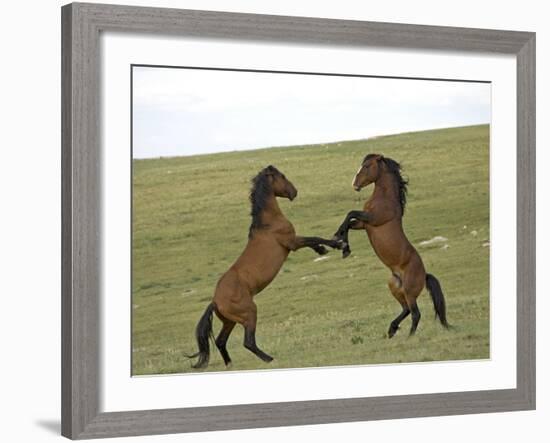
(354,220)
(315,243)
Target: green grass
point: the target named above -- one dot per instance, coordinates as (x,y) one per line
(190,222)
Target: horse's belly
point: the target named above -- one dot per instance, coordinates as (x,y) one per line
(388,245)
(261,267)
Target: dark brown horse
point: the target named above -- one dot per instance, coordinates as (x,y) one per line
(271,238)
(381,217)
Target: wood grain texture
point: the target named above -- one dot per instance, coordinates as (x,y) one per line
(299,413)
(526,220)
(80,219)
(66,223)
(81,235)
(258,27)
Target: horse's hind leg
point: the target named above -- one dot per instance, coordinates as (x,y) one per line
(250,336)
(250,344)
(415,312)
(413,286)
(394,325)
(414,279)
(222,338)
(395,287)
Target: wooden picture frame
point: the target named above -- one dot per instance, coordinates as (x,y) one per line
(81,234)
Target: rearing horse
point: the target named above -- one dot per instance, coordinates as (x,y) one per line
(381,217)
(271,238)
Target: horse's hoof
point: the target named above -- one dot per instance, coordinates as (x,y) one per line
(337,244)
(346,252)
(320,249)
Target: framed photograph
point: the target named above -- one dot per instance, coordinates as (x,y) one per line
(274,221)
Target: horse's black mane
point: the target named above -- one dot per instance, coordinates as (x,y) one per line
(395,168)
(260,191)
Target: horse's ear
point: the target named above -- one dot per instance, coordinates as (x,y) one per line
(379,158)
(270,169)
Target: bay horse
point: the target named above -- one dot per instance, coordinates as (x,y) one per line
(381,217)
(271,238)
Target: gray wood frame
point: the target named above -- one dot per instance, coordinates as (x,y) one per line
(81,163)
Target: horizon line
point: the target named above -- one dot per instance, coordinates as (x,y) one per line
(308,144)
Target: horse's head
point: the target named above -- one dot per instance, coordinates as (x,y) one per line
(368,172)
(281,186)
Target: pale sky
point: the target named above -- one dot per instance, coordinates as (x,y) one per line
(181,112)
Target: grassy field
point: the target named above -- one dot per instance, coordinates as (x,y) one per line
(190,222)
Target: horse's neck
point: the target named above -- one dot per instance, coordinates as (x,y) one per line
(271,209)
(386,187)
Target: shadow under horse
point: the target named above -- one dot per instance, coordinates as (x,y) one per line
(381,217)
(271,238)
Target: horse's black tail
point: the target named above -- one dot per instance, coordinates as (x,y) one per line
(434,288)
(203,332)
